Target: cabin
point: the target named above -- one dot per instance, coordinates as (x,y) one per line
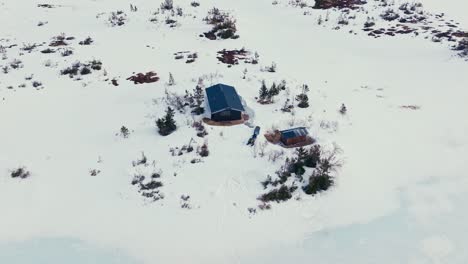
(294,136)
(223,103)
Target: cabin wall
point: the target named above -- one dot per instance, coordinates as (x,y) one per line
(227,115)
(295,140)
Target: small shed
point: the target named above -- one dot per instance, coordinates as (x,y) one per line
(223,103)
(294,136)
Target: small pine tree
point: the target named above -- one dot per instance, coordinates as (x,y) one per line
(171,81)
(301,153)
(274,90)
(302,98)
(320,20)
(124,132)
(263,93)
(282,85)
(343,109)
(167,124)
(169,119)
(198,98)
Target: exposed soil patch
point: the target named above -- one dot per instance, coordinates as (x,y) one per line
(232,57)
(140,78)
(46,6)
(190,57)
(411,107)
(327,4)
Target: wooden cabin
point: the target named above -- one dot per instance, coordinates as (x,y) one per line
(223,103)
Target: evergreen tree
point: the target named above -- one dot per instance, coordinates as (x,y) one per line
(301,153)
(171,80)
(343,109)
(167,124)
(169,119)
(274,90)
(302,98)
(198,97)
(263,93)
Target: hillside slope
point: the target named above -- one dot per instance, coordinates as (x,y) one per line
(398,197)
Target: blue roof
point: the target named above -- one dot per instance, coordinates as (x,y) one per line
(294,132)
(221,97)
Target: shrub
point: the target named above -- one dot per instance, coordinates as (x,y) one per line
(48,50)
(66,52)
(16,64)
(124,132)
(224,26)
(200,129)
(203,150)
(298,3)
(71,71)
(85,70)
(36,84)
(271,68)
(94,172)
(141,161)
(59,40)
(20,172)
(167,5)
(281,194)
(390,15)
(29,47)
(195,4)
(95,65)
(462,46)
(370,22)
(318,183)
(87,41)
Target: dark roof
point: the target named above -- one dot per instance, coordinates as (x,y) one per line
(221,97)
(294,132)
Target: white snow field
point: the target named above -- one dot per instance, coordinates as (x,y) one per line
(400,196)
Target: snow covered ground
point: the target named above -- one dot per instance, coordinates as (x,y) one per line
(399,197)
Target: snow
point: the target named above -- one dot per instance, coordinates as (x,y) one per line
(399,198)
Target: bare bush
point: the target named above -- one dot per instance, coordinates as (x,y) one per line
(203,150)
(224,26)
(167,5)
(20,172)
(16,64)
(117,18)
(281,194)
(86,41)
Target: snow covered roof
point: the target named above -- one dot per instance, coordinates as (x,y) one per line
(221,97)
(294,132)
